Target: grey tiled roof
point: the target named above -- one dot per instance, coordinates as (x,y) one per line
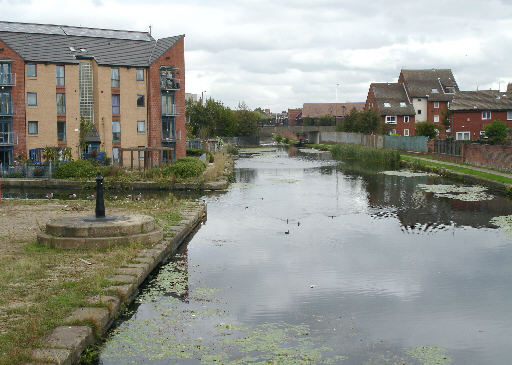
(51,43)
(481,100)
(423,83)
(394,94)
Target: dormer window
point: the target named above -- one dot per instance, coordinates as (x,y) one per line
(449,90)
(402,104)
(435,91)
(387,105)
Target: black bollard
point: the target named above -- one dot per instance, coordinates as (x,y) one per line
(100,201)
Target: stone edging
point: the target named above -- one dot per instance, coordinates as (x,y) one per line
(65,344)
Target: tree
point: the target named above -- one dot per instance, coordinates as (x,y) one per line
(86,128)
(496,132)
(426,129)
(446,118)
(247,120)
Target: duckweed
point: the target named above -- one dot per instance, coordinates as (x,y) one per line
(430,355)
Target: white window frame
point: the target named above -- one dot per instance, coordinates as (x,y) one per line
(463,133)
(482,134)
(436,118)
(406,132)
(486,115)
(143,124)
(387,105)
(436,105)
(509,115)
(389,121)
(406,119)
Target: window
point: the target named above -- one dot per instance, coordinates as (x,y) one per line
(436,118)
(31,70)
(114,77)
(387,105)
(462,136)
(33,127)
(402,104)
(140,74)
(61,103)
(141,126)
(168,107)
(141,153)
(406,119)
(60,75)
(140,101)
(449,90)
(436,104)
(482,134)
(391,119)
(116,130)
(486,115)
(32,99)
(61,131)
(419,99)
(406,132)
(116,104)
(435,91)
(509,115)
(115,155)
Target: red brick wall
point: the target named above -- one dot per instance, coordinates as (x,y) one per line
(431,111)
(292,114)
(475,124)
(175,56)
(498,157)
(18,97)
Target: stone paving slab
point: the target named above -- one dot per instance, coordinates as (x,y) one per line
(112,302)
(54,356)
(125,292)
(123,279)
(74,338)
(99,316)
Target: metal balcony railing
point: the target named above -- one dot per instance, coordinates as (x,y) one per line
(7,109)
(7,79)
(8,138)
(169,83)
(171,110)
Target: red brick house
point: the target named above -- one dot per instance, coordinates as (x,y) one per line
(430,91)
(472,110)
(391,102)
(294,115)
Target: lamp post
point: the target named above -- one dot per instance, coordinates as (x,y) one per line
(202,98)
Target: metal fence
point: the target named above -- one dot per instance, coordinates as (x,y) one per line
(27,171)
(447,147)
(416,143)
(242,141)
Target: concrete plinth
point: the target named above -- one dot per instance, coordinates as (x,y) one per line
(77,232)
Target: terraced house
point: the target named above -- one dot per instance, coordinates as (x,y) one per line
(131,86)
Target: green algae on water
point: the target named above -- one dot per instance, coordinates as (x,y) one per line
(463,193)
(430,355)
(505,223)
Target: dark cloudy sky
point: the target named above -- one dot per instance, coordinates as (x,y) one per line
(280,54)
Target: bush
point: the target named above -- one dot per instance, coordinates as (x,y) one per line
(112,170)
(184,168)
(386,158)
(496,132)
(426,129)
(195,152)
(79,169)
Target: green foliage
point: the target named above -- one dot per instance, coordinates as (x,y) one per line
(195,152)
(426,129)
(79,169)
(278,138)
(86,128)
(325,120)
(214,119)
(386,158)
(366,122)
(286,140)
(446,117)
(496,132)
(184,168)
(111,171)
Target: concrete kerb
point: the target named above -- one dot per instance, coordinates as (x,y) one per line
(65,344)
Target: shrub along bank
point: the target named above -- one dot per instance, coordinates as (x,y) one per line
(385,158)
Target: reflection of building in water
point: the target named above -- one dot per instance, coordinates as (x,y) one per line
(246,175)
(418,210)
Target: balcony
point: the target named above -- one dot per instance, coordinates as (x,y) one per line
(168,137)
(7,109)
(169,83)
(8,138)
(7,79)
(170,110)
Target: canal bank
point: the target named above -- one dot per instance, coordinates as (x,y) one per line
(56,302)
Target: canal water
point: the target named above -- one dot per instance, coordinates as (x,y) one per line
(309,261)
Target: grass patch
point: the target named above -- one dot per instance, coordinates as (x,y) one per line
(42,286)
(422,164)
(385,158)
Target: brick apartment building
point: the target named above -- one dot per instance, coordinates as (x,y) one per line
(472,110)
(431,91)
(131,86)
(391,102)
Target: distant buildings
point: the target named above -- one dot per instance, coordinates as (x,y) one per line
(129,85)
